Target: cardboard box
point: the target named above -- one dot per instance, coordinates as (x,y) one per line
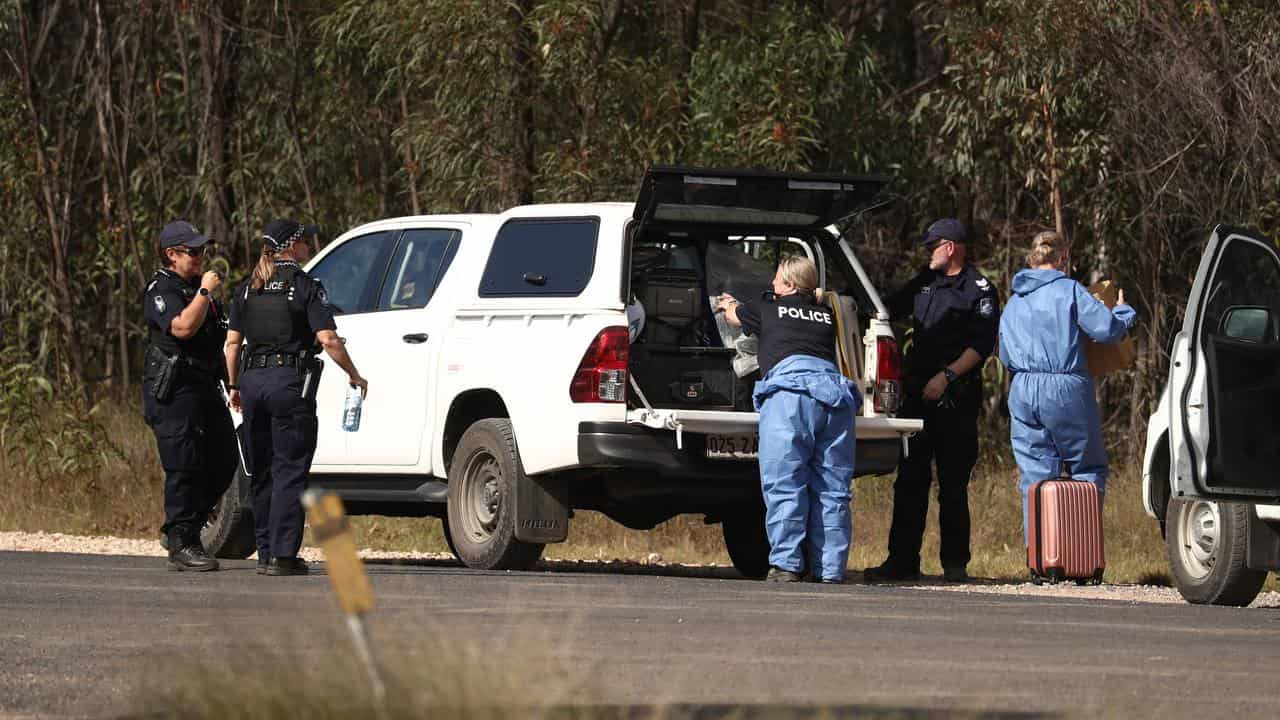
(1108,358)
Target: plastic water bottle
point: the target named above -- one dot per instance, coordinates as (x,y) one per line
(351,409)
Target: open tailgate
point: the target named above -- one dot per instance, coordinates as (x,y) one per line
(731,422)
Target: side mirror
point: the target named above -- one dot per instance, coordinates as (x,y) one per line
(1250,323)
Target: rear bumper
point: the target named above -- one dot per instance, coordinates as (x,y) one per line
(629,446)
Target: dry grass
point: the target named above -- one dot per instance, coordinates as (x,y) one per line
(124,498)
(431,671)
(317,676)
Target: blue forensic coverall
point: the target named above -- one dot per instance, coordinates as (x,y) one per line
(1052,408)
(807,414)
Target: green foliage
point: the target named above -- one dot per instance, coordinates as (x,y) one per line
(779,92)
(47,435)
(346,111)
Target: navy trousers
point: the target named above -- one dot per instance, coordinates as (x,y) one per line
(281,433)
(197,445)
(949,440)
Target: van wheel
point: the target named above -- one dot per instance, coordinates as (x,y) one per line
(745,539)
(481,508)
(229,531)
(1206,542)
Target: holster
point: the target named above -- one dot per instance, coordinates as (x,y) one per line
(310,366)
(161,371)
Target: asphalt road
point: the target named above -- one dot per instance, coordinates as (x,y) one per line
(79,634)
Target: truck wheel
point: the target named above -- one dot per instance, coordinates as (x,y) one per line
(1206,542)
(448,537)
(229,531)
(482,495)
(746,541)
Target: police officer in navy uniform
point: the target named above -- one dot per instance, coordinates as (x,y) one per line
(181,399)
(955,317)
(282,316)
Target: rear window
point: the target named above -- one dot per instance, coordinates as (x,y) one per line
(541,257)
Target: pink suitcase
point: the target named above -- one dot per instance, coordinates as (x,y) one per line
(1064,539)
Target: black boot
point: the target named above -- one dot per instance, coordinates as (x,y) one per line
(287,566)
(186,552)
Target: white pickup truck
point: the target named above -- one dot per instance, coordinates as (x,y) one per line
(508,390)
(1212,463)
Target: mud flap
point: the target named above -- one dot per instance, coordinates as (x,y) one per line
(542,509)
(1263,549)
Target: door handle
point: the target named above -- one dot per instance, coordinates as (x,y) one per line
(415,338)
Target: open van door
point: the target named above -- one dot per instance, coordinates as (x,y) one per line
(756,200)
(1224,380)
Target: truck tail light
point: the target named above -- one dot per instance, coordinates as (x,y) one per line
(888,395)
(602,374)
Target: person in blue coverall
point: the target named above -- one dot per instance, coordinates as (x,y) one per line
(807,414)
(1053,412)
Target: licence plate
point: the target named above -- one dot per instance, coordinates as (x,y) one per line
(733,447)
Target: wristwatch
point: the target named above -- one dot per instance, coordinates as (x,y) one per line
(204,292)
(949,374)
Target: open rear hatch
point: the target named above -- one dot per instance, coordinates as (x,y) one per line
(682,379)
(755,200)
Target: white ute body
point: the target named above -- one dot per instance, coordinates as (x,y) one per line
(462,356)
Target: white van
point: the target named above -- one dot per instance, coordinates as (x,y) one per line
(1212,464)
(507,389)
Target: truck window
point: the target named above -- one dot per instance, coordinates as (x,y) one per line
(353,271)
(541,257)
(419,262)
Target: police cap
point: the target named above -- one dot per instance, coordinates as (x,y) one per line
(280,234)
(181,232)
(945,229)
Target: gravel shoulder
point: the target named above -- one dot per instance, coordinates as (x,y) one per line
(1138,594)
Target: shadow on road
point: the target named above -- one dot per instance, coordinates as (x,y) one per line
(777,712)
(631,567)
(600,567)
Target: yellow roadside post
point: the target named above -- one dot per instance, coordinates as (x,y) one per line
(330,529)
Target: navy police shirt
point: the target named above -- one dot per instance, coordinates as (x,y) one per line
(164,299)
(949,313)
(790,325)
(283,315)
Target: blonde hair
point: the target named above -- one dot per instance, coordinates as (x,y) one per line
(801,272)
(1047,248)
(265,268)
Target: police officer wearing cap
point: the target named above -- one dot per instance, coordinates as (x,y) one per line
(955,317)
(282,316)
(181,399)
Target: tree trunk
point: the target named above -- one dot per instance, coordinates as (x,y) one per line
(521,164)
(1055,194)
(218,31)
(689,33)
(410,164)
(54,198)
